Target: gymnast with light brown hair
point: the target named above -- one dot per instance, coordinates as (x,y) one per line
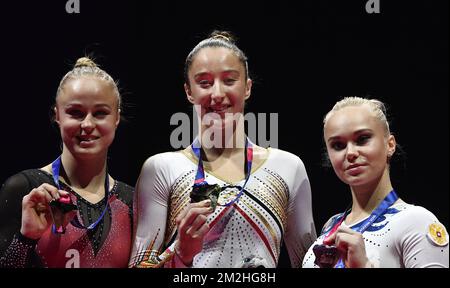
(223,201)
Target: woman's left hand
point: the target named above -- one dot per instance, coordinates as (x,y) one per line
(351,247)
(192,228)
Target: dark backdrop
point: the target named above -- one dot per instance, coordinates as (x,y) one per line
(303,58)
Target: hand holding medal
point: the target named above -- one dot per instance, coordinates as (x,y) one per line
(37,212)
(191,223)
(347,245)
(192,227)
(350,243)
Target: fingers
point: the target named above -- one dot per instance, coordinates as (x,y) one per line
(182,215)
(197,228)
(36,216)
(345,229)
(193,221)
(191,217)
(201,231)
(345,237)
(192,227)
(51,190)
(342,241)
(351,244)
(39,197)
(330,239)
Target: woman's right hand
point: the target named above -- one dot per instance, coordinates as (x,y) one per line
(351,246)
(192,228)
(36,217)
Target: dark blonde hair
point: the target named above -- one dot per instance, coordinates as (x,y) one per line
(85,66)
(216,39)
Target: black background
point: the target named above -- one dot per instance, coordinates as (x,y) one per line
(303,57)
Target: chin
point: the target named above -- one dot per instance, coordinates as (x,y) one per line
(357,182)
(354,180)
(87,153)
(217,127)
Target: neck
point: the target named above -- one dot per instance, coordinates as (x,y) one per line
(212,154)
(223,143)
(81,173)
(366,198)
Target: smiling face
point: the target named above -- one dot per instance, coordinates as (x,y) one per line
(358,145)
(218,84)
(87,114)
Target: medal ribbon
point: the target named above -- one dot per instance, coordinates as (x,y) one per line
(380,210)
(56,165)
(200,176)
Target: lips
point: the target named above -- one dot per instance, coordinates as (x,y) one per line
(218,109)
(87,141)
(354,166)
(87,138)
(355,169)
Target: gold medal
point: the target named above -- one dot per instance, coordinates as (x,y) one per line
(437,234)
(205,191)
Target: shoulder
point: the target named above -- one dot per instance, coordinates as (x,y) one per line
(416,219)
(15,184)
(165,166)
(284,155)
(285,158)
(420,236)
(163,160)
(413,213)
(20,184)
(289,166)
(28,179)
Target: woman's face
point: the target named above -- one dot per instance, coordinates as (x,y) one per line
(357,145)
(217,82)
(88,115)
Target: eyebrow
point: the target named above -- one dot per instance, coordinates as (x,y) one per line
(360,131)
(101,105)
(230,71)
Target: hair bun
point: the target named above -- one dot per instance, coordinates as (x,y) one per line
(85,62)
(224,35)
